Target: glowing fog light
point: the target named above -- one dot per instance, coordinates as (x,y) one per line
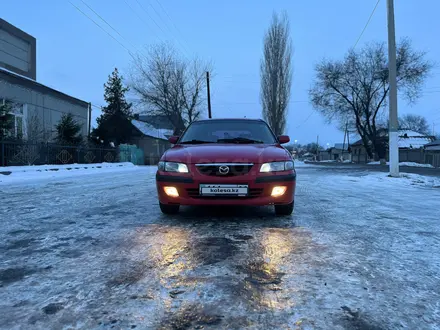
(171,191)
(278,191)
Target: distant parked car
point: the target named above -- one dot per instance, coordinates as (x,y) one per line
(227,162)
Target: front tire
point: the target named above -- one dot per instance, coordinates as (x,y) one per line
(286,209)
(169,208)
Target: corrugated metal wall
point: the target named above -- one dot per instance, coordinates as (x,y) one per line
(46,109)
(15,51)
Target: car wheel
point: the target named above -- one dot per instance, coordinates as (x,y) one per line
(169,208)
(286,209)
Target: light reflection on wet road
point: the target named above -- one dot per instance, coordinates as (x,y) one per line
(104,257)
(217,265)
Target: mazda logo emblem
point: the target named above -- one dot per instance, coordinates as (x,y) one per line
(223,170)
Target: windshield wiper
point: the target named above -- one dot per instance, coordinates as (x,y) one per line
(195,142)
(239,140)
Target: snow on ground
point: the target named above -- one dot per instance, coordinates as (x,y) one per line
(17,174)
(94,252)
(299,163)
(411,164)
(405,179)
(335,161)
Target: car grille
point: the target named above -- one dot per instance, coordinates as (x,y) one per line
(216,169)
(253,193)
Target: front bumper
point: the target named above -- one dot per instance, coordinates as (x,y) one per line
(260,188)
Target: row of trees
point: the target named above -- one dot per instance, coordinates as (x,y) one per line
(164,84)
(352,92)
(415,123)
(170,86)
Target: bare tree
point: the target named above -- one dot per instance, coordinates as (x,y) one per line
(6,123)
(355,90)
(415,123)
(34,129)
(29,152)
(276,73)
(169,85)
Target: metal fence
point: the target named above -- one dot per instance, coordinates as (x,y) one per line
(13,153)
(432,158)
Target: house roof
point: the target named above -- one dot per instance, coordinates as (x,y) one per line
(157,121)
(341,146)
(407,139)
(150,130)
(433,143)
(433,146)
(412,139)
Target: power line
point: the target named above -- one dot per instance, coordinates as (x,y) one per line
(160,17)
(154,21)
(97,106)
(308,117)
(137,14)
(111,36)
(108,24)
(143,8)
(366,25)
(171,20)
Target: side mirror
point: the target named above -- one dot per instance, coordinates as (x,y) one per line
(282,139)
(173,139)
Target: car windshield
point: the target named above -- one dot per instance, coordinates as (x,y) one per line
(228,131)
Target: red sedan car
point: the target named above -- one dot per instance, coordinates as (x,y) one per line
(227,162)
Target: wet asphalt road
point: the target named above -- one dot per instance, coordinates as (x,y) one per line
(96,253)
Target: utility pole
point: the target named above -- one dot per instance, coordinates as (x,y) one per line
(393,125)
(90,120)
(433,129)
(209,95)
(317,147)
(343,146)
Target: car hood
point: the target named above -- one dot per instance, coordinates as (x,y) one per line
(221,153)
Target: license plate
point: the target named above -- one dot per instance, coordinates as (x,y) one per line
(223,189)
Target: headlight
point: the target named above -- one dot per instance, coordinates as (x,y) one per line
(173,167)
(277,166)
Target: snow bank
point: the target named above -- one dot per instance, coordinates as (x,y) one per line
(299,163)
(15,174)
(405,179)
(410,164)
(420,180)
(43,168)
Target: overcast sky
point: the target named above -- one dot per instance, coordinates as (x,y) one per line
(75,56)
